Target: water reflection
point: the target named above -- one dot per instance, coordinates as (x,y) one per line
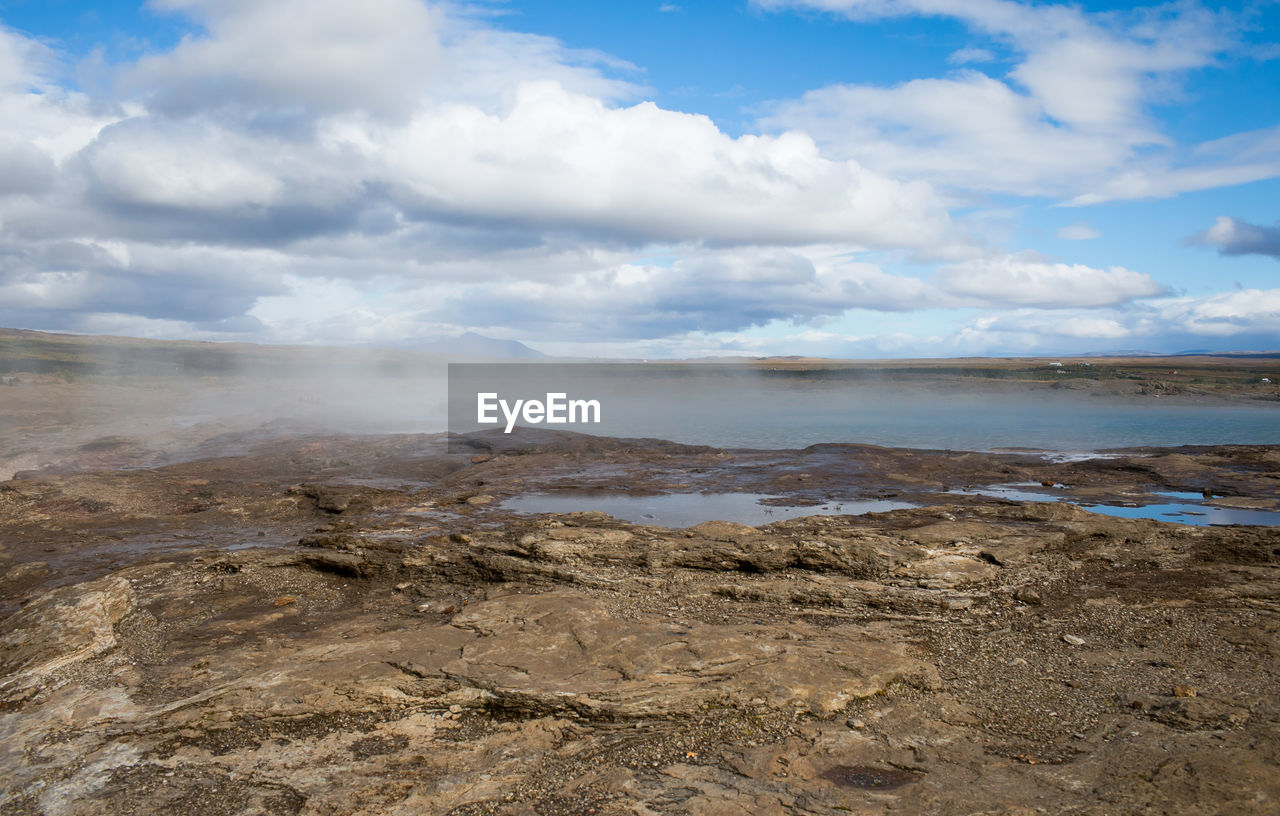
(687,509)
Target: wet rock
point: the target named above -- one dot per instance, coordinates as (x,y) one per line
(345,564)
(335,498)
(29,571)
(866,777)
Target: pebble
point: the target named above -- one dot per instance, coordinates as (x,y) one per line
(1073,640)
(438,608)
(1028,596)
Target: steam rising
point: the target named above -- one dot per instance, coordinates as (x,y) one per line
(116,402)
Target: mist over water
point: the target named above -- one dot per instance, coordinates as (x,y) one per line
(727,406)
(116,402)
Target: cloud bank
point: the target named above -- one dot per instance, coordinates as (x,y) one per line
(323,171)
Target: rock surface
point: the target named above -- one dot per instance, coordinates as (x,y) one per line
(52,634)
(211,638)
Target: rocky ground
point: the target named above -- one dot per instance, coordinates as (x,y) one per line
(355,625)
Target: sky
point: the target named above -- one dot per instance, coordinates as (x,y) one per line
(848,178)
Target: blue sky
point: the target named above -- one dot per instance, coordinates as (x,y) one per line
(865,178)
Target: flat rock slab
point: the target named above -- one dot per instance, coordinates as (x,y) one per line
(562,651)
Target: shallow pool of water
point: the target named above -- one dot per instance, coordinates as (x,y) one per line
(1198,514)
(688,509)
(1188,508)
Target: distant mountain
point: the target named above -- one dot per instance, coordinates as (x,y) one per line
(472,344)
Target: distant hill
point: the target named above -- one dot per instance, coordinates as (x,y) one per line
(472,344)
(1261,355)
(28,352)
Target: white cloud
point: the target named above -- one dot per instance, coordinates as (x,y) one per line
(706,291)
(39,115)
(24,61)
(1079,231)
(1248,318)
(1226,314)
(1233,236)
(1029,331)
(967,131)
(567,161)
(1069,120)
(1028,281)
(313,54)
(327,171)
(1092,328)
(483,163)
(964,56)
(444,121)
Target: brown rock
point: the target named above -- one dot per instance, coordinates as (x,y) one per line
(562,651)
(1028,596)
(64,627)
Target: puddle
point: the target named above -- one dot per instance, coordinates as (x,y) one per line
(867,777)
(1189,508)
(1200,515)
(1068,457)
(687,509)
(1012,492)
(1182,496)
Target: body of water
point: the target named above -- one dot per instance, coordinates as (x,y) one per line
(958,422)
(1179,506)
(679,510)
(727,406)
(687,509)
